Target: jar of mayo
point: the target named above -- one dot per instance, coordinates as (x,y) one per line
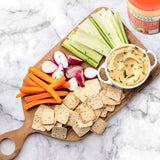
(144,15)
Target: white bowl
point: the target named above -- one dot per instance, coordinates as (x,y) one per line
(111,82)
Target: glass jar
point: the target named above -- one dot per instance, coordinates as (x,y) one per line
(144,15)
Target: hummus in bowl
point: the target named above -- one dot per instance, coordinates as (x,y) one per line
(127,66)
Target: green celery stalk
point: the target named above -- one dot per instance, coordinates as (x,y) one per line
(79,54)
(118,19)
(102,33)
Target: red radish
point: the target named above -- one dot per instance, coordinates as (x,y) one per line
(48,66)
(71,71)
(74,60)
(73,84)
(90,73)
(59,72)
(80,78)
(60,57)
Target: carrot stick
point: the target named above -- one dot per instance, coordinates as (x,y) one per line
(41,75)
(46,87)
(31,90)
(58,83)
(29,82)
(35,90)
(20,95)
(44,95)
(64,85)
(37,102)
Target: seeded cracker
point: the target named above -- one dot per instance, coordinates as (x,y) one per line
(110,108)
(99,126)
(87,114)
(104,113)
(111,102)
(48,116)
(103,96)
(37,119)
(59,132)
(95,101)
(81,124)
(72,118)
(92,87)
(79,92)
(80,131)
(71,101)
(114,93)
(62,114)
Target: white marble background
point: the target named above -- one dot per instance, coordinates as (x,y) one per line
(28,30)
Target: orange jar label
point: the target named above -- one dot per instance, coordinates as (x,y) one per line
(147,25)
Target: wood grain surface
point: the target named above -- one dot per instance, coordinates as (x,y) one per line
(19,135)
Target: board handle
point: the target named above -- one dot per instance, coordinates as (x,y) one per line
(18,136)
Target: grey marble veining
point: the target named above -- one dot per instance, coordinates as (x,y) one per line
(28,30)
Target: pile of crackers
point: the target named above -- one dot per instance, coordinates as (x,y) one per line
(84,110)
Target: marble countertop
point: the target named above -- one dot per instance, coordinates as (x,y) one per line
(28,30)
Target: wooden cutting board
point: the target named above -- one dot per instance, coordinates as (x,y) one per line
(19,135)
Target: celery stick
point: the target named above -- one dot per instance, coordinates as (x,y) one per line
(79,54)
(118,19)
(110,15)
(83,49)
(105,37)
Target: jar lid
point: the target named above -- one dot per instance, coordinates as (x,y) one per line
(147,5)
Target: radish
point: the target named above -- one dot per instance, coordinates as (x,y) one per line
(74,60)
(60,57)
(59,72)
(73,84)
(48,66)
(71,71)
(80,78)
(90,73)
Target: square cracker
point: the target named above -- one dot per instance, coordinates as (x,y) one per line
(62,114)
(71,101)
(98,113)
(72,118)
(111,102)
(48,116)
(104,86)
(79,92)
(95,101)
(87,114)
(80,131)
(92,87)
(104,113)
(37,118)
(59,132)
(103,96)
(48,127)
(99,126)
(81,124)
(58,124)
(114,93)
(110,108)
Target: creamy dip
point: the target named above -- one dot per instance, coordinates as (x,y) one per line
(127,65)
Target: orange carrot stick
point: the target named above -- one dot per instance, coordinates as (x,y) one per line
(20,95)
(41,75)
(64,85)
(58,83)
(37,102)
(32,90)
(29,82)
(44,95)
(46,87)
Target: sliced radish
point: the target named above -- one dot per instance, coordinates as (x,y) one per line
(48,66)
(80,78)
(60,57)
(90,73)
(73,84)
(71,71)
(59,72)
(74,60)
